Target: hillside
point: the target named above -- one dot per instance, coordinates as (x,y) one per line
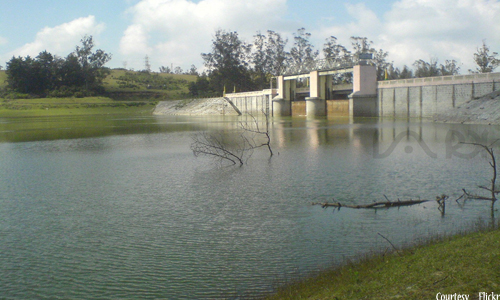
(3,78)
(126,92)
(130,85)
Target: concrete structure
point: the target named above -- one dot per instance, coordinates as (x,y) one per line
(363,100)
(315,94)
(432,96)
(309,93)
(253,102)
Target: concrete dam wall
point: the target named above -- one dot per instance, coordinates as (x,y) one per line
(231,104)
(432,96)
(202,106)
(253,102)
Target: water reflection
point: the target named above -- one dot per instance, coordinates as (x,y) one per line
(70,127)
(126,211)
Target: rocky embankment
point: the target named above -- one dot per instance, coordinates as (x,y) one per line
(208,106)
(484,110)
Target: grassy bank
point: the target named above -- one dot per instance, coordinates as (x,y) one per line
(126,92)
(71,106)
(465,264)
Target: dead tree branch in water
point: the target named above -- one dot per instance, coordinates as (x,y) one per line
(233,146)
(215,144)
(374,205)
(441,201)
(492,188)
(254,128)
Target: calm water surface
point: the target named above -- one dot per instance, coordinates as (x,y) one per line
(118,207)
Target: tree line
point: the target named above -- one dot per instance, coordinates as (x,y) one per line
(235,64)
(79,74)
(231,63)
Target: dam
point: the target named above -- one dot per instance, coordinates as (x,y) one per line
(315,94)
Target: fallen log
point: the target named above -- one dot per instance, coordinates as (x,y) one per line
(375,205)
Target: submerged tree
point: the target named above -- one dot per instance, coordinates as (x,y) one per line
(235,146)
(492,188)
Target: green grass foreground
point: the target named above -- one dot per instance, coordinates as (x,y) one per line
(463,264)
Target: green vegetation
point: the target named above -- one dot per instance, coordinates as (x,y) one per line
(80,84)
(71,106)
(79,74)
(136,86)
(3,79)
(465,264)
(116,99)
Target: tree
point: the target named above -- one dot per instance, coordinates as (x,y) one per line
(46,68)
(260,60)
(485,62)
(450,67)
(363,45)
(46,72)
(227,63)
(302,55)
(164,69)
(71,72)
(92,63)
(193,70)
(20,74)
(268,57)
(426,69)
(430,69)
(335,52)
(276,53)
(406,73)
(201,88)
(178,70)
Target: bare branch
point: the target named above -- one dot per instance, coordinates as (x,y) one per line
(235,147)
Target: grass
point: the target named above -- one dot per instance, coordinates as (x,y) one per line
(465,264)
(119,99)
(71,106)
(175,85)
(3,78)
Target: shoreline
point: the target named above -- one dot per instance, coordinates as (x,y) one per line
(421,271)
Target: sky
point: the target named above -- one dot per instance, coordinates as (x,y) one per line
(176,32)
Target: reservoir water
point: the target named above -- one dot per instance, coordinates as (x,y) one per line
(114,207)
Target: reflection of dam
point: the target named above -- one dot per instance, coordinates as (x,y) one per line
(380,139)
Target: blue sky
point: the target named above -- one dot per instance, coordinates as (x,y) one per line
(175,32)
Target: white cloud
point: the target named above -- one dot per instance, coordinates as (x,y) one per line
(3,41)
(425,29)
(60,40)
(177,31)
